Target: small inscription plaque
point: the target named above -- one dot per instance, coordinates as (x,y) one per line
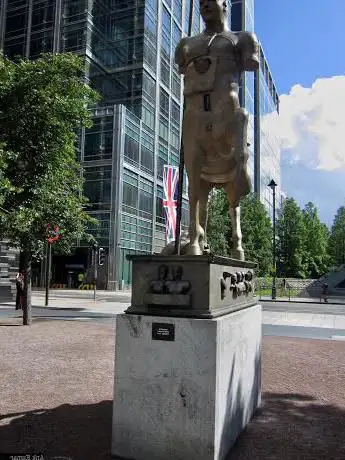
(163,331)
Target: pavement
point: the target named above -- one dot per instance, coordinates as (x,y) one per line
(332,300)
(57,392)
(281,319)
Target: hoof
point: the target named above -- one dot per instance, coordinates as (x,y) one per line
(237,254)
(207,249)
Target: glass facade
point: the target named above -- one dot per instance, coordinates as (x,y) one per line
(269,148)
(129,58)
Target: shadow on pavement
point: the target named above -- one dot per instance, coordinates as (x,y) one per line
(293,426)
(288,427)
(75,432)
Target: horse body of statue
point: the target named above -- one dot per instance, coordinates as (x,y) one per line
(214,124)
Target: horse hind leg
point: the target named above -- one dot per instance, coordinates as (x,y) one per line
(237,251)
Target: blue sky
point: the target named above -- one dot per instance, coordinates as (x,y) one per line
(304,42)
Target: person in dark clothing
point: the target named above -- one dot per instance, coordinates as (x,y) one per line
(20,291)
(324,293)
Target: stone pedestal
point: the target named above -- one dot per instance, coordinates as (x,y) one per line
(190,286)
(185,388)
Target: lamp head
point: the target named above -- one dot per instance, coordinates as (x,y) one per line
(272,184)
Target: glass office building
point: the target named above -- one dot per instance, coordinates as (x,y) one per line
(137,124)
(129,58)
(267,157)
(258,94)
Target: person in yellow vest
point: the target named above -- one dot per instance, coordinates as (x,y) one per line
(81,277)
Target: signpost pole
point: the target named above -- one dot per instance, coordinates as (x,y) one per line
(48,270)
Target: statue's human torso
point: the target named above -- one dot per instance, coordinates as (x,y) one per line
(212,63)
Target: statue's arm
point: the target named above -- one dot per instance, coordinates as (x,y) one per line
(249,51)
(180,58)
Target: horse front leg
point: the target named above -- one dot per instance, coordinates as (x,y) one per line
(205,188)
(237,251)
(235,217)
(196,232)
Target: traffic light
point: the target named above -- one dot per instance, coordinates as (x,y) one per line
(101,256)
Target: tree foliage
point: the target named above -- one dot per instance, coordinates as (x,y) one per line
(337,238)
(317,260)
(290,240)
(302,242)
(257,233)
(218,224)
(43,103)
(256,229)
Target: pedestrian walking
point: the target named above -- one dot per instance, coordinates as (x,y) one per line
(20,291)
(324,293)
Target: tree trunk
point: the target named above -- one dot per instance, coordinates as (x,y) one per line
(27,311)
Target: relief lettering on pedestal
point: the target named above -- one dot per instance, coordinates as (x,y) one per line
(238,283)
(169,289)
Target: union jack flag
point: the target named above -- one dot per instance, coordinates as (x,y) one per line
(170,181)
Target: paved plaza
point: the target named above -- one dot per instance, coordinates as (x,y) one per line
(288,319)
(57,387)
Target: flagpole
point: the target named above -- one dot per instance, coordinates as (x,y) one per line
(181,163)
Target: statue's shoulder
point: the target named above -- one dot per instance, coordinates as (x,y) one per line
(190,42)
(248,46)
(246,39)
(186,48)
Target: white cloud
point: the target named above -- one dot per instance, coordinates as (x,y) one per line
(312,124)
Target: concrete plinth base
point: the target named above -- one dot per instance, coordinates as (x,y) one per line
(185,388)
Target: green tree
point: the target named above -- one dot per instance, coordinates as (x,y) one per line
(291,241)
(256,229)
(257,233)
(218,224)
(316,233)
(336,245)
(43,103)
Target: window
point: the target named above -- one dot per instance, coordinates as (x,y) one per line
(130,192)
(175,138)
(131,150)
(150,54)
(148,116)
(175,113)
(15,23)
(151,26)
(164,102)
(149,87)
(166,31)
(42,15)
(178,10)
(160,216)
(97,186)
(176,84)
(163,129)
(102,230)
(176,36)
(147,152)
(41,43)
(146,201)
(162,160)
(165,72)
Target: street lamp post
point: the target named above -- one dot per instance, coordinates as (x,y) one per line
(273,186)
